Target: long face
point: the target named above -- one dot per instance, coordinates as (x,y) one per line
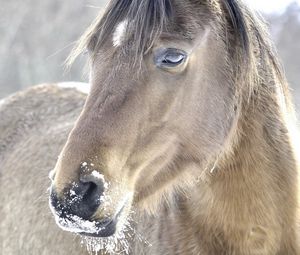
(148,127)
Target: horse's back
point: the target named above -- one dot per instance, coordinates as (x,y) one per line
(34,125)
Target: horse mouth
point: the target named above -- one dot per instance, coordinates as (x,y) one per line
(105,229)
(95,228)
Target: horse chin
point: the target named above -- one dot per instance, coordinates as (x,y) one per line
(103,231)
(94,228)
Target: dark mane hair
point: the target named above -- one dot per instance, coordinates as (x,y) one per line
(149,18)
(238,22)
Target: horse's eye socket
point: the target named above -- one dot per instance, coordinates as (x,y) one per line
(168,58)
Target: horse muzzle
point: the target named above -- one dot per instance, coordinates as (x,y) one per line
(75,208)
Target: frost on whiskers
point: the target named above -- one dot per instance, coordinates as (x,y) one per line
(76,224)
(116,244)
(119,243)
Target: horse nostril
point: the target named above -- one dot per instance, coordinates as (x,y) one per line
(93,193)
(85,197)
(93,178)
(82,200)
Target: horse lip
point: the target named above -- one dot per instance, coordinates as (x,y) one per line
(73,223)
(103,228)
(93,227)
(106,227)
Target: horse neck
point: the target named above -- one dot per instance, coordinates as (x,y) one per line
(249,198)
(253,188)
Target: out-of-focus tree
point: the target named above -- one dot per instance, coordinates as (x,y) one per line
(37,36)
(285,29)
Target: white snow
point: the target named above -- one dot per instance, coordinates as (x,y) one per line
(87,167)
(80,86)
(78,225)
(98,175)
(72,192)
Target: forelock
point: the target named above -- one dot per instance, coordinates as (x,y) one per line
(142,21)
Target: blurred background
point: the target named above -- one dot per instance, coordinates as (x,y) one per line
(37,36)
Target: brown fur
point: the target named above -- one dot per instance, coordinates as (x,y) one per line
(205,153)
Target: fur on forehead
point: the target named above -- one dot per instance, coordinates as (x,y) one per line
(147,19)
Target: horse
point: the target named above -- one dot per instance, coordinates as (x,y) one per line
(186,143)
(34,125)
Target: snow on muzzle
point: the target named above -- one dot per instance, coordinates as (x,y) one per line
(90,207)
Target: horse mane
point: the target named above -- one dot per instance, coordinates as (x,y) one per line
(237,19)
(148,18)
(246,36)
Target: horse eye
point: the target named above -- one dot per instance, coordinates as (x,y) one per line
(168,58)
(174,59)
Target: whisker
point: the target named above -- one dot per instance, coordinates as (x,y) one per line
(60,50)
